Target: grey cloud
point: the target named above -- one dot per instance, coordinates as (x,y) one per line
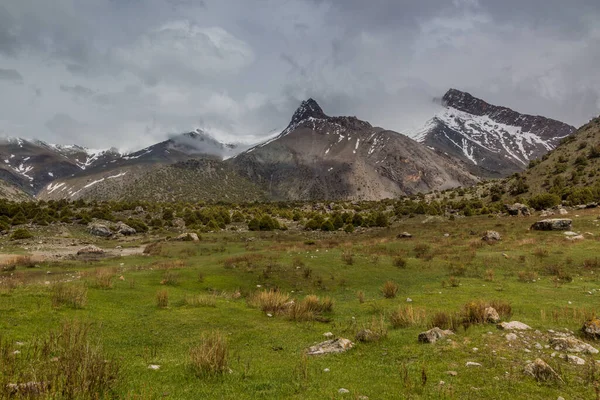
(10,75)
(66,127)
(77,90)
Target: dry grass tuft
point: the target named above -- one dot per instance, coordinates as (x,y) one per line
(70,295)
(406,316)
(162,299)
(310,308)
(154,249)
(201,300)
(170,278)
(270,301)
(210,356)
(390,289)
(170,264)
(11,264)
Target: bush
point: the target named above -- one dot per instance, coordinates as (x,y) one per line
(348,257)
(543,201)
(390,289)
(139,225)
(421,250)
(210,356)
(20,234)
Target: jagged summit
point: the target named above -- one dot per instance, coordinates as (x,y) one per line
(308,108)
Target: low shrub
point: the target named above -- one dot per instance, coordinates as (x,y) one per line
(201,300)
(390,289)
(399,262)
(20,234)
(70,295)
(162,299)
(406,316)
(270,301)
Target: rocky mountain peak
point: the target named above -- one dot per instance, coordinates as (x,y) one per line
(464,101)
(308,108)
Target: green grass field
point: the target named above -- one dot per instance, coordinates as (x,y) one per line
(550,282)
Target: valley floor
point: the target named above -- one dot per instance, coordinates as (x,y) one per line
(147,311)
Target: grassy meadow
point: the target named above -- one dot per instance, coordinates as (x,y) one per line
(212,319)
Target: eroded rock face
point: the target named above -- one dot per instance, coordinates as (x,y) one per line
(591,328)
(513,326)
(98,229)
(433,335)
(541,371)
(333,346)
(554,224)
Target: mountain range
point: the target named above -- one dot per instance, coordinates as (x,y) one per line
(316,157)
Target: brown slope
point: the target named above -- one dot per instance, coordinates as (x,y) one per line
(322,157)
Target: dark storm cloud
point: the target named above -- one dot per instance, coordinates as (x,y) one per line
(238,68)
(10,75)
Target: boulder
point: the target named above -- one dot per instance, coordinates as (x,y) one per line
(554,224)
(125,229)
(433,335)
(562,211)
(404,235)
(541,371)
(517,209)
(339,345)
(90,250)
(98,229)
(513,326)
(191,237)
(491,315)
(570,344)
(591,328)
(491,236)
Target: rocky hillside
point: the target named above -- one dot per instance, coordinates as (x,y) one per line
(323,157)
(202,179)
(12,193)
(494,141)
(571,172)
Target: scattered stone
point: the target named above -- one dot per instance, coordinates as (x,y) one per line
(446,235)
(98,229)
(562,211)
(511,337)
(404,235)
(472,364)
(339,345)
(408,300)
(591,328)
(578,237)
(491,315)
(517,209)
(555,224)
(452,373)
(538,346)
(139,210)
(192,237)
(154,367)
(541,371)
(328,335)
(433,335)
(572,345)
(326,370)
(179,223)
(343,391)
(570,233)
(513,326)
(90,250)
(571,359)
(491,236)
(125,229)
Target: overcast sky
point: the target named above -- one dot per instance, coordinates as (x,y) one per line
(128,73)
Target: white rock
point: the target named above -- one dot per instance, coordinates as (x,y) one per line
(343,391)
(511,337)
(573,359)
(472,364)
(326,370)
(154,367)
(328,335)
(408,300)
(513,325)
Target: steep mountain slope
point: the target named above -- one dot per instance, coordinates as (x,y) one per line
(12,193)
(571,171)
(202,179)
(322,157)
(494,141)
